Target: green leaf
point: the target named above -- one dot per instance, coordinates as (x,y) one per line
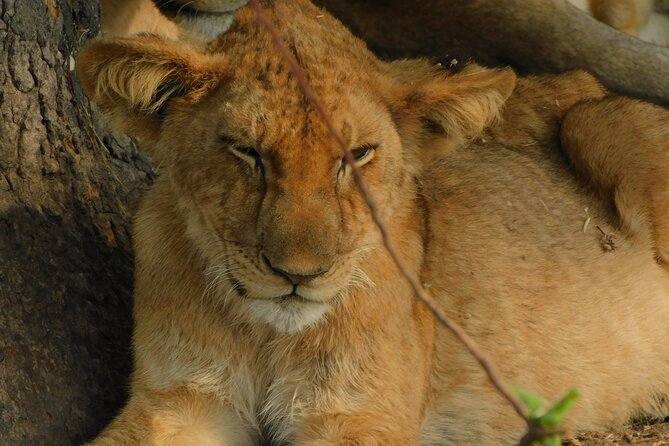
(531,400)
(555,416)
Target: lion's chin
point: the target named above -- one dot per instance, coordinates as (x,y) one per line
(287,314)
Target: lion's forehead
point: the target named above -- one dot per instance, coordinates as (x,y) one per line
(284,117)
(262,96)
(321,47)
(264,84)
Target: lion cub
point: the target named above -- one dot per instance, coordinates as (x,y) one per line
(266,307)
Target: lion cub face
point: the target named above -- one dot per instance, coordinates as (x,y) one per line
(263,190)
(270,200)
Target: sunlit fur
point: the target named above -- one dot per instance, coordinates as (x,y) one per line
(635,17)
(520,239)
(130,17)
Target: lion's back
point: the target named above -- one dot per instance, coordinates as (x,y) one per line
(523,253)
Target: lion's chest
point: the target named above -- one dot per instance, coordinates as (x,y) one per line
(283,407)
(293,387)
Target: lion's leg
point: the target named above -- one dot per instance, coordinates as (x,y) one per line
(177,418)
(628,16)
(622,146)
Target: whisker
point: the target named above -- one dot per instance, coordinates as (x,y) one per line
(360,278)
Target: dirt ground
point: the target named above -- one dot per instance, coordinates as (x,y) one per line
(640,434)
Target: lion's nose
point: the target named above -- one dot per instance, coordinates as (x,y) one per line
(294,277)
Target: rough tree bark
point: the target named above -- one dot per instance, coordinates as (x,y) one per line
(67,186)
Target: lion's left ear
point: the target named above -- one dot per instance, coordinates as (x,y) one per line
(432,103)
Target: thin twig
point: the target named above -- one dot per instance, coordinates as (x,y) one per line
(486,363)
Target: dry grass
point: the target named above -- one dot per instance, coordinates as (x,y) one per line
(641,434)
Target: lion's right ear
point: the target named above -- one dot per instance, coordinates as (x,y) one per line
(436,109)
(133,80)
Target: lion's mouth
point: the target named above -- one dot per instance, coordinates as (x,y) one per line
(285,299)
(292,298)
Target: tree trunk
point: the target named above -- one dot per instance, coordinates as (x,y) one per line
(67,188)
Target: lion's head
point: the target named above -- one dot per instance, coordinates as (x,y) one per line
(268,200)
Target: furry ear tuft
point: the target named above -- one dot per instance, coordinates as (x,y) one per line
(472,101)
(134,79)
(434,103)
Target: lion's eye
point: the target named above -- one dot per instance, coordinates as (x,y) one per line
(361,155)
(249,152)
(248,155)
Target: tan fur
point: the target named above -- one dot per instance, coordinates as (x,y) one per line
(478,200)
(621,146)
(138,79)
(634,17)
(128,17)
(628,16)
